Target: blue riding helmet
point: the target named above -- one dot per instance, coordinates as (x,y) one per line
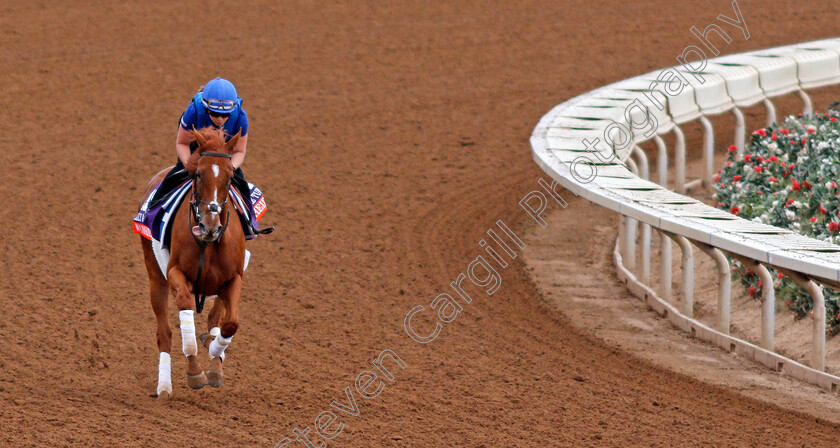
(219,95)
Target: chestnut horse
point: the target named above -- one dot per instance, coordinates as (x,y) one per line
(207,258)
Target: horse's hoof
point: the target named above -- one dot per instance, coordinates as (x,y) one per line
(214,373)
(163,397)
(197,381)
(214,379)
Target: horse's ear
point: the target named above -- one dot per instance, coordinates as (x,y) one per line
(233,141)
(199,138)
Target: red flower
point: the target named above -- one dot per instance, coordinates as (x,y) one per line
(823,210)
(813,219)
(761,132)
(773,159)
(784,131)
(717,178)
(789,202)
(772,180)
(757,169)
(747,157)
(780,275)
(759,158)
(812,130)
(806,185)
(833,184)
(733,148)
(773,136)
(796,186)
(737,178)
(804,140)
(728,163)
(734,210)
(833,227)
(791,167)
(833,118)
(752,291)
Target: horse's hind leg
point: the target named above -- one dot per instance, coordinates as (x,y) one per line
(196,378)
(230,298)
(159,293)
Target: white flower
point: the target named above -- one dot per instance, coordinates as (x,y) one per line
(797,204)
(789,214)
(773,145)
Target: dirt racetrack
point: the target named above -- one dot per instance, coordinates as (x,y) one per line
(387,139)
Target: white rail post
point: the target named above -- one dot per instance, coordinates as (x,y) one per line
(818,327)
(708,152)
(807,104)
(644,171)
(630,239)
(768,308)
(679,160)
(630,225)
(768,301)
(771,112)
(724,307)
(687,267)
(622,237)
(664,266)
(818,324)
(661,161)
(740,131)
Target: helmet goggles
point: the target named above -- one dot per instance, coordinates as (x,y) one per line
(224,106)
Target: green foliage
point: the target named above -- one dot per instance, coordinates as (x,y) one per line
(789,178)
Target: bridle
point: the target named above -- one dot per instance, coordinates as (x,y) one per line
(196,214)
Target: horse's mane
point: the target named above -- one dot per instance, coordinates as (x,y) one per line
(209,139)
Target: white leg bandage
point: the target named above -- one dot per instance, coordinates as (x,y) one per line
(164,374)
(219,344)
(188,342)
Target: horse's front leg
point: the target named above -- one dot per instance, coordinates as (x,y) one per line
(230,297)
(179,286)
(213,319)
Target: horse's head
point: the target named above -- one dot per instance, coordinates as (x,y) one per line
(211,182)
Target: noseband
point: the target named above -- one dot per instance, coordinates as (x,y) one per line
(198,216)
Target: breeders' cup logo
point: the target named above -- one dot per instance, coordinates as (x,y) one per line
(256,194)
(260,207)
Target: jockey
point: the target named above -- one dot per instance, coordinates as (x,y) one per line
(217,105)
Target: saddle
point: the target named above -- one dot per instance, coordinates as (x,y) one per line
(154,220)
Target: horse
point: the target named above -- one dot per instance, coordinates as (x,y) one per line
(207,258)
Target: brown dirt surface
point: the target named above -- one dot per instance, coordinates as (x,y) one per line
(387,137)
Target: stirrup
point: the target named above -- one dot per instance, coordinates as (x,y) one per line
(264,231)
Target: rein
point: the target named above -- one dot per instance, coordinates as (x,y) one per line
(196,214)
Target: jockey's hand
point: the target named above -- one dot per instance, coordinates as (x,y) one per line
(191,167)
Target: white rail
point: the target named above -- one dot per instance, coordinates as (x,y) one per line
(589,145)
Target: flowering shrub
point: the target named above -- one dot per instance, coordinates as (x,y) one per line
(789,178)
